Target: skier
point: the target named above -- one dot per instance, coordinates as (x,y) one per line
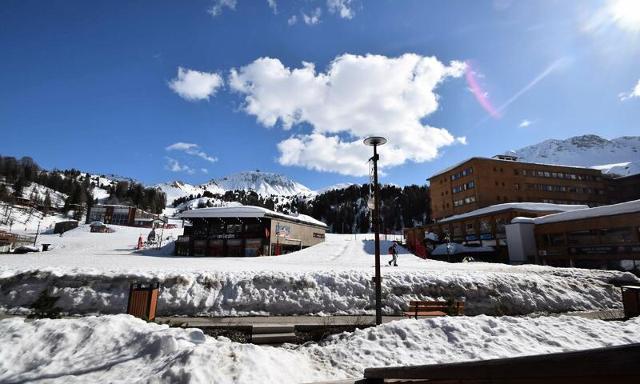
(393,251)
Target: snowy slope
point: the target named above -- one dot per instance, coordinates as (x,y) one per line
(263,183)
(121,348)
(90,272)
(620,156)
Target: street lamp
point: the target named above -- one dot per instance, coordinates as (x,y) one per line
(375,141)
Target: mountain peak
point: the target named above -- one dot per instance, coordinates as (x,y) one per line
(263,183)
(587,151)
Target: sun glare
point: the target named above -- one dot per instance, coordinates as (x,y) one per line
(626,13)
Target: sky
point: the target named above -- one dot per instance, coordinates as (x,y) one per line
(194,90)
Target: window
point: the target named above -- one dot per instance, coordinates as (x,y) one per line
(524,172)
(516,186)
(582,237)
(515,172)
(616,235)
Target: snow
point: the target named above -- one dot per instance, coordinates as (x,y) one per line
(606,210)
(91,273)
(26,219)
(263,183)
(620,156)
(528,207)
(247,211)
(121,348)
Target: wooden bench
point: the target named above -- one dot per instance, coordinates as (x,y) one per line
(433,308)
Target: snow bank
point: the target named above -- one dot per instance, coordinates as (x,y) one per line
(91,273)
(121,348)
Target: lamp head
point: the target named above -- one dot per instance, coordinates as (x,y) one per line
(375,140)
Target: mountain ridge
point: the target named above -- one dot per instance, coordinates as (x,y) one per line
(619,156)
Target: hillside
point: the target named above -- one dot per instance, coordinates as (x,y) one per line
(620,156)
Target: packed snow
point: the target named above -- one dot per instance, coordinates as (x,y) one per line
(91,273)
(122,348)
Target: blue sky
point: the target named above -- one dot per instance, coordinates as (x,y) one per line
(192,90)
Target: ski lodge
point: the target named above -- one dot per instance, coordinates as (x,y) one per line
(246,231)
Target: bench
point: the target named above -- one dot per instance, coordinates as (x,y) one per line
(434,308)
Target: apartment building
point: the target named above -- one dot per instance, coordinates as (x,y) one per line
(481,182)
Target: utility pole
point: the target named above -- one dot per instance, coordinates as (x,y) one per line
(374,141)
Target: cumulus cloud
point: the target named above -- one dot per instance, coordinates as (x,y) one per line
(312,18)
(174,165)
(635,92)
(194,85)
(341,7)
(292,20)
(357,96)
(219,5)
(191,149)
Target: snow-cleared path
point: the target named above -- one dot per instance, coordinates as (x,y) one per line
(90,272)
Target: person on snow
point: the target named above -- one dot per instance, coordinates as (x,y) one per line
(393,251)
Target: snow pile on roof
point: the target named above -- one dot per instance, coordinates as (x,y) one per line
(122,348)
(606,210)
(246,211)
(91,272)
(527,207)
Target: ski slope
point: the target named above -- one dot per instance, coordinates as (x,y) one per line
(91,272)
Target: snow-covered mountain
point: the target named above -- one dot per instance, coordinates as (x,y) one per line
(263,183)
(619,156)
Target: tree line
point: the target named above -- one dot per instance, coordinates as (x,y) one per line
(18,174)
(343,210)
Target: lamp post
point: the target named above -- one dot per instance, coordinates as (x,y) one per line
(375,141)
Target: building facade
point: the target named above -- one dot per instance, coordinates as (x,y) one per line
(481,182)
(122,215)
(246,231)
(482,227)
(606,237)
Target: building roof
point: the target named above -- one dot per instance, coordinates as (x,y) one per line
(606,210)
(505,161)
(528,207)
(247,211)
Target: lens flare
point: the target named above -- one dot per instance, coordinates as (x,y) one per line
(480,95)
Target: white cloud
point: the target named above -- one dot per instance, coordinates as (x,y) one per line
(635,92)
(341,7)
(292,20)
(525,123)
(204,170)
(356,97)
(174,165)
(191,149)
(219,5)
(193,85)
(313,18)
(273,5)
